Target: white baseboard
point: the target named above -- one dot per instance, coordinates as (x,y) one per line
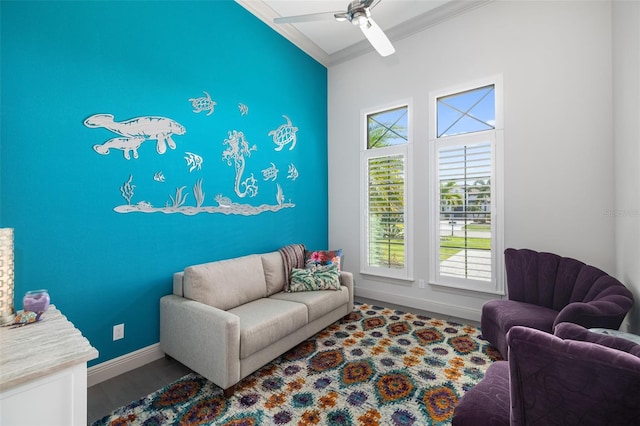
(425,305)
(127,362)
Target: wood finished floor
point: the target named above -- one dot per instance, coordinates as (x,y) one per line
(105,397)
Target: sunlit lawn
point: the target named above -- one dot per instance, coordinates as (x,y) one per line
(452,245)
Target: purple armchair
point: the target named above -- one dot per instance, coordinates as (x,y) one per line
(587,379)
(546,289)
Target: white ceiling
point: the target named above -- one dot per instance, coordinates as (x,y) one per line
(331,42)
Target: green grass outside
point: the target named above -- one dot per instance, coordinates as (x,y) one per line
(478,227)
(449,246)
(452,245)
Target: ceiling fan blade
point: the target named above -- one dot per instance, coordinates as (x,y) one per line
(323,16)
(377,38)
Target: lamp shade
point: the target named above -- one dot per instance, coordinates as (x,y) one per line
(6,275)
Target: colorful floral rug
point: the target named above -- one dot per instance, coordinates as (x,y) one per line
(376,366)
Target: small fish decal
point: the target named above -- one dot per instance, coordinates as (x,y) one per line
(293,172)
(193,160)
(159,177)
(244,110)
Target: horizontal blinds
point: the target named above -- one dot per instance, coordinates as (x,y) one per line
(386,211)
(465,211)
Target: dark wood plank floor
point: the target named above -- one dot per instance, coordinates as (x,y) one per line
(105,397)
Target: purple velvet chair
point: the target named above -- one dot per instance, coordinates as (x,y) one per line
(573,378)
(546,289)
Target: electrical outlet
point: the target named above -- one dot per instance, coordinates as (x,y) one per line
(118,332)
(421,283)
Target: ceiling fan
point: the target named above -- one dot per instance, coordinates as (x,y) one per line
(359,14)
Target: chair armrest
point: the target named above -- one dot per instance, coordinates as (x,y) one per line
(204,338)
(602,313)
(346,279)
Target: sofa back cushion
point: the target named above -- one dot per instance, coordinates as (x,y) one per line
(274,272)
(226,284)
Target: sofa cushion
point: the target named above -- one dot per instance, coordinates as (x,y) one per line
(498,316)
(226,284)
(273,272)
(318,303)
(322,257)
(316,278)
(265,321)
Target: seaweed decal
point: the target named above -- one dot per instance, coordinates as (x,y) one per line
(127,190)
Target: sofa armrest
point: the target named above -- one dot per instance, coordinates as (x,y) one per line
(598,313)
(204,338)
(346,279)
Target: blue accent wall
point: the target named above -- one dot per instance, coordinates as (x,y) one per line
(63,62)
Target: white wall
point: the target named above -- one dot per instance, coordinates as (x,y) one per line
(626,121)
(555,58)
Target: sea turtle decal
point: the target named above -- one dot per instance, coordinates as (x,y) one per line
(203,104)
(284,134)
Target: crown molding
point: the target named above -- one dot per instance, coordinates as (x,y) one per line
(406,29)
(266,14)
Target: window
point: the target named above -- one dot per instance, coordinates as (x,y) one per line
(386,224)
(466,152)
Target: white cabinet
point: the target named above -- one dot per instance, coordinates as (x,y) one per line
(43,373)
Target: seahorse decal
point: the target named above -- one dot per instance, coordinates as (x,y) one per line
(237,148)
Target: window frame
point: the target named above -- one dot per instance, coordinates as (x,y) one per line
(405,150)
(495,137)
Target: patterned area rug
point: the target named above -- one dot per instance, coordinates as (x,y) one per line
(376,366)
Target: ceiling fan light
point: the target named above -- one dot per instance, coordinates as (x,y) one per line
(360,20)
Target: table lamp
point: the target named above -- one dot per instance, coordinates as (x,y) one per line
(7,313)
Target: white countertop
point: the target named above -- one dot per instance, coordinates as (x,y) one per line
(34,350)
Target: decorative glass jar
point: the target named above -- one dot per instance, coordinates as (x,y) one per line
(36,301)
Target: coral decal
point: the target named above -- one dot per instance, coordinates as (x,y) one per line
(203,104)
(238,147)
(134,132)
(193,160)
(284,134)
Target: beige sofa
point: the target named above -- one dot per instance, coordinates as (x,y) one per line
(226,319)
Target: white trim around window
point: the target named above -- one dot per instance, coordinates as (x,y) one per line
(473,267)
(403,154)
